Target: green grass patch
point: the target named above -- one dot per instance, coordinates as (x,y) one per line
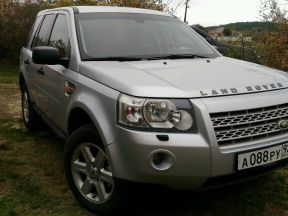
(9,79)
(8,73)
(8,132)
(32,180)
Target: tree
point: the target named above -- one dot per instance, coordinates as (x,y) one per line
(227,32)
(15,23)
(148,4)
(273,46)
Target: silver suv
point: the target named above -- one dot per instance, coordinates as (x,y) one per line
(140,96)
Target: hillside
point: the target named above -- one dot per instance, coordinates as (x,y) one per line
(247,26)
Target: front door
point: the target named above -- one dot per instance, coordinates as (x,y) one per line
(54,101)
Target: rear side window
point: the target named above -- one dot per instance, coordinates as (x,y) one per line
(42,37)
(60,36)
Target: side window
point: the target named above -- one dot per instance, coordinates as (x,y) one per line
(42,38)
(32,31)
(60,36)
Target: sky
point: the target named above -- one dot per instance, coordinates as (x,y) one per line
(216,12)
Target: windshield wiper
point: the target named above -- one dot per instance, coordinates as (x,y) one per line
(177,56)
(132,58)
(115,58)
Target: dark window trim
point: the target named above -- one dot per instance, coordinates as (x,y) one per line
(36,33)
(40,27)
(57,14)
(52,27)
(30,33)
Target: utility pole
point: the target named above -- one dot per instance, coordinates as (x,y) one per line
(186,8)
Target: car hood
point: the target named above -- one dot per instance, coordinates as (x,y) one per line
(186,78)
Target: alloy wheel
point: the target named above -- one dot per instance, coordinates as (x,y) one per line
(25,104)
(92,173)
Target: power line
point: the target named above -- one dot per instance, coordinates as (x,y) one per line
(177,6)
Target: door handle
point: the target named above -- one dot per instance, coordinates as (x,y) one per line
(27,62)
(41,71)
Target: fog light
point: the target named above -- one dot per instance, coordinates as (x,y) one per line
(162,160)
(158,158)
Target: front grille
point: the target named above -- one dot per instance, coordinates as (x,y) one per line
(248,125)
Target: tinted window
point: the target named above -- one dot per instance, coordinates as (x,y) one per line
(122,34)
(60,36)
(44,33)
(32,31)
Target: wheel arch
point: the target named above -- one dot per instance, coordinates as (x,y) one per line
(21,81)
(79,116)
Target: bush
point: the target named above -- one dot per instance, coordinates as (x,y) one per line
(273,49)
(273,46)
(15,23)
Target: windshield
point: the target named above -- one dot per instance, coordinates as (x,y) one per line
(128,35)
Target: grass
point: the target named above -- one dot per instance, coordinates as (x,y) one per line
(32,180)
(8,73)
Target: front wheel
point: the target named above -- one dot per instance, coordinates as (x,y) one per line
(89,173)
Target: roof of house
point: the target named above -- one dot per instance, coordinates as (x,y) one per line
(217,30)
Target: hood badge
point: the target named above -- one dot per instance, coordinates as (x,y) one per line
(247,89)
(283,124)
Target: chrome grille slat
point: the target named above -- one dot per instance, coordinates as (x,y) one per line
(242,126)
(249,132)
(244,119)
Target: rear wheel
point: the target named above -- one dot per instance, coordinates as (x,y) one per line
(31,119)
(89,173)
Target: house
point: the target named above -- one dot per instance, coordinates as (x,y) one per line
(216,32)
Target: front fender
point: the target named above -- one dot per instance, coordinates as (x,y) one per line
(99,102)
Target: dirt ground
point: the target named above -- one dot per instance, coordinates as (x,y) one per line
(10,97)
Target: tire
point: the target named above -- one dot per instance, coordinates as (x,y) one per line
(31,119)
(89,174)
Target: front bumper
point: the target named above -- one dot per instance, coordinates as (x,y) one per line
(197,157)
(131,158)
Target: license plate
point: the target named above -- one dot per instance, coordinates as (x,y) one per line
(262,157)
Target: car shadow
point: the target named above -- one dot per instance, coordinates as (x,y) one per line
(229,200)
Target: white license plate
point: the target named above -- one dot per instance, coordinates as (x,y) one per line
(262,157)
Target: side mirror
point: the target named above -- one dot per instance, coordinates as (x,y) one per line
(46,55)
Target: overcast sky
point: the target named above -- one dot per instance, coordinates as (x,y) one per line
(216,12)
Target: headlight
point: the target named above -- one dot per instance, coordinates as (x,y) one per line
(152,113)
(130,111)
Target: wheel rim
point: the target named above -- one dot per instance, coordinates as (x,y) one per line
(25,104)
(92,173)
